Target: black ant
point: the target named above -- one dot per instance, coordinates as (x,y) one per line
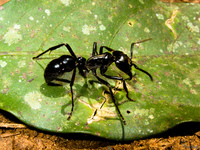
(67,63)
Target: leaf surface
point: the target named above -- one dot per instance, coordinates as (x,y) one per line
(172,57)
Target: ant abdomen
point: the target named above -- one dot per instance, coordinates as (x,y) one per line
(57,67)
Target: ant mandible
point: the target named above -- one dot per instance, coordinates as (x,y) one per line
(67,63)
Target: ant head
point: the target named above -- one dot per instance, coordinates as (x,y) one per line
(123,62)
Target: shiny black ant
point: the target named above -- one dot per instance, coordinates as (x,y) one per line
(102,60)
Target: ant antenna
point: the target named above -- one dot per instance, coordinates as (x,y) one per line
(137,43)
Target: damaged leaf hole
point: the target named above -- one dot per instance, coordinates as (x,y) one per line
(61,35)
(130,23)
(128,111)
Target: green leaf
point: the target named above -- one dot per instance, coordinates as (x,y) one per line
(172,57)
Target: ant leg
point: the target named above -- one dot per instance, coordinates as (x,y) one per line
(111,50)
(81,72)
(71,85)
(121,79)
(132,44)
(136,67)
(70,50)
(50,49)
(94,51)
(112,95)
(56,47)
(108,48)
